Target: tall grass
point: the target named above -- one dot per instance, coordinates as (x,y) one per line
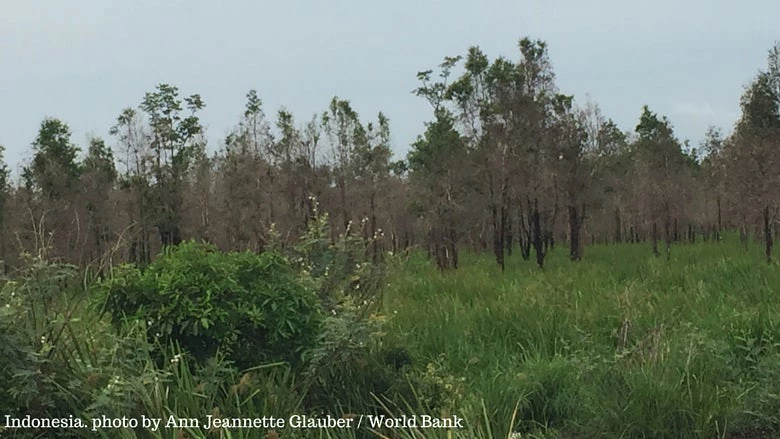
(622,344)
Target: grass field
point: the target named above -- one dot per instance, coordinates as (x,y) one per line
(621,344)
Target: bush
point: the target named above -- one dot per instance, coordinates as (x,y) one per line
(251,307)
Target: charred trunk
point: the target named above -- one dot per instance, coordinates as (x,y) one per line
(618,227)
(575,226)
(767,235)
(668,237)
(453,245)
(538,239)
(654,237)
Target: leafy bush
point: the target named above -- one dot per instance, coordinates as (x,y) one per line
(349,362)
(251,307)
(339,269)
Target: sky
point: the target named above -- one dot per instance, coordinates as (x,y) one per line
(83,61)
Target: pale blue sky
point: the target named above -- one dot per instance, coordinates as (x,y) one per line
(85,60)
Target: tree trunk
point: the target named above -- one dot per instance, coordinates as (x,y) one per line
(618,227)
(498,245)
(525,232)
(453,241)
(538,239)
(170,234)
(344,212)
(374,233)
(767,235)
(496,214)
(575,225)
(509,241)
(655,239)
(743,235)
(720,219)
(668,237)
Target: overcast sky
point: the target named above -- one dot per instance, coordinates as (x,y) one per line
(85,60)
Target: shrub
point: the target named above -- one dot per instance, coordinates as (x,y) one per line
(251,307)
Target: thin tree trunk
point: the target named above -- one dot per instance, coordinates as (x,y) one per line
(743,235)
(618,227)
(655,239)
(668,237)
(374,233)
(453,241)
(575,226)
(767,236)
(538,239)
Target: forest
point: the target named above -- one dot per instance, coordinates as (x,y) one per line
(528,266)
(507,163)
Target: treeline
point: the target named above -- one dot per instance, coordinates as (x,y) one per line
(507,164)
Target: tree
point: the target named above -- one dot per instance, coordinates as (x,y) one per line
(435,165)
(714,168)
(372,171)
(659,161)
(135,182)
(610,163)
(53,170)
(245,180)
(174,140)
(343,128)
(756,148)
(97,182)
(507,110)
(436,170)
(572,143)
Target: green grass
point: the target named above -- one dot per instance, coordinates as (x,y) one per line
(699,355)
(619,345)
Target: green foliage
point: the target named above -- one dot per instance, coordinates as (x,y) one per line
(348,362)
(252,307)
(336,270)
(100,161)
(761,104)
(58,359)
(620,345)
(440,145)
(4,178)
(175,142)
(699,358)
(53,170)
